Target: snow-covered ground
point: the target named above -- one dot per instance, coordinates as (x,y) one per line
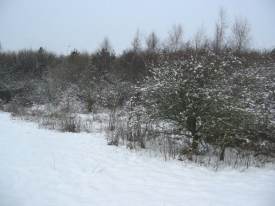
(48,168)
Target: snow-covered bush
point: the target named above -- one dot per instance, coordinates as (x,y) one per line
(211,99)
(69,101)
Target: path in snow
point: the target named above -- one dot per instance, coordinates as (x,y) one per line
(48,168)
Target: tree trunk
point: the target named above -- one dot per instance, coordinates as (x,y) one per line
(195,144)
(222,153)
(191,126)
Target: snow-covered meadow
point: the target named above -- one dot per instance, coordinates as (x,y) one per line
(49,168)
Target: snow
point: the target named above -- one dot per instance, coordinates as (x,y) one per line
(49,168)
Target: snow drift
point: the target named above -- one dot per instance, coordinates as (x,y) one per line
(48,168)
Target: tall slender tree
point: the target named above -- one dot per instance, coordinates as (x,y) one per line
(220,30)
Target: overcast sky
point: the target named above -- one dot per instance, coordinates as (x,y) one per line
(61,25)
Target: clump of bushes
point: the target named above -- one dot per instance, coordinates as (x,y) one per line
(70,124)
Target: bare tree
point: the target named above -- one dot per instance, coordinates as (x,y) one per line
(200,39)
(220,29)
(175,38)
(240,34)
(152,42)
(136,43)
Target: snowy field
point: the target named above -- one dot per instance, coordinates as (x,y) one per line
(46,168)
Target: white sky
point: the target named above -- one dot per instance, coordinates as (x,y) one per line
(61,25)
